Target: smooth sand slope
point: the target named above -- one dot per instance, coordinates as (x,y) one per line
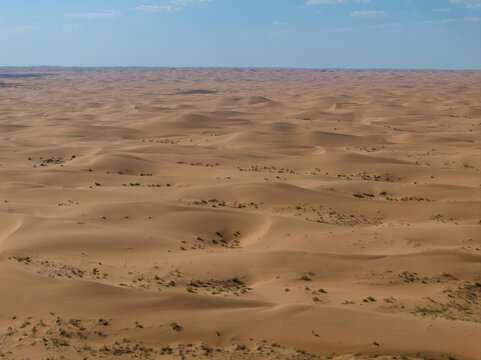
(243,214)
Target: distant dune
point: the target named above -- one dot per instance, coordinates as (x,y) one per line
(237,214)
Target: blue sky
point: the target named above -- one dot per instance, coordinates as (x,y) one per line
(435,34)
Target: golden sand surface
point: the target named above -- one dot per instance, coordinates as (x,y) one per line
(239,214)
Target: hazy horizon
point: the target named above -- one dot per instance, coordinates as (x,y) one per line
(230,67)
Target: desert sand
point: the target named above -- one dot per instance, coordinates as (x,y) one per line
(239,213)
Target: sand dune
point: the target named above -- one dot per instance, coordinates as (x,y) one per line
(240,214)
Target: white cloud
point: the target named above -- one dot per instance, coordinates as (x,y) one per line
(175,5)
(317,2)
(277,22)
(185,2)
(395,27)
(369,14)
(450,21)
(94,15)
(23,29)
(157,8)
(72,27)
(440,22)
(442,10)
(472,4)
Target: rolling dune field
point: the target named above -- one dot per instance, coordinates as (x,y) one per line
(239,214)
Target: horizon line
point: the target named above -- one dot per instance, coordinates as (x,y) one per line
(237,67)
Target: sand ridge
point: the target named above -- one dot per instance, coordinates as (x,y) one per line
(239,213)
